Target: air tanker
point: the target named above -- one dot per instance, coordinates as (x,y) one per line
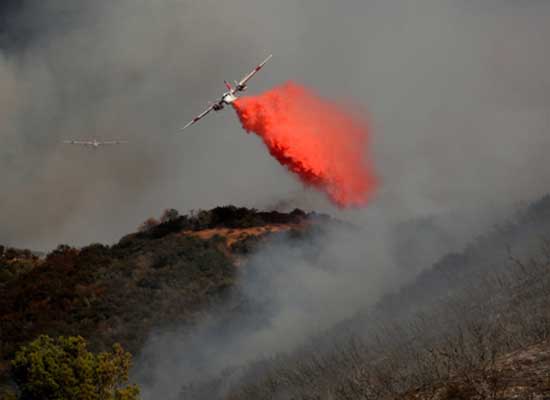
(230,96)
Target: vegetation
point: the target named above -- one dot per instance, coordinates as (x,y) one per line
(14,262)
(459,349)
(63,369)
(108,294)
(113,294)
(220,217)
(475,326)
(462,330)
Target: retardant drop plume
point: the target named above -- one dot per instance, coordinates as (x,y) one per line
(314,138)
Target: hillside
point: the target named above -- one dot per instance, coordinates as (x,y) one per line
(473,326)
(168,272)
(522,374)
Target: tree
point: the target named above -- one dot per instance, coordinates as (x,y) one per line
(169,214)
(147,225)
(63,369)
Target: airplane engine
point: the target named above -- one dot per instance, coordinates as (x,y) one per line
(230,96)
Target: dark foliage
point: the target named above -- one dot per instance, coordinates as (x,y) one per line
(113,294)
(223,217)
(158,276)
(14,262)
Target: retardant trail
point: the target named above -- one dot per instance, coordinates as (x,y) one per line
(314,138)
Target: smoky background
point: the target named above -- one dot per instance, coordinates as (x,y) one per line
(457,93)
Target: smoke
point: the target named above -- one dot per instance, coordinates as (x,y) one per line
(315,139)
(458,92)
(288,291)
(123,70)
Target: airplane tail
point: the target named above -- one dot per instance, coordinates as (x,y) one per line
(228,85)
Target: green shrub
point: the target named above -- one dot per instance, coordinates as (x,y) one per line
(63,369)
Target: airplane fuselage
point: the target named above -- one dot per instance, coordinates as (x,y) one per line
(94,144)
(226,99)
(229,98)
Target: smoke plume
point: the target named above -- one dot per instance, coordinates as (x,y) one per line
(458,91)
(313,138)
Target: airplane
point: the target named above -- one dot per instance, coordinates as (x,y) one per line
(94,143)
(231,95)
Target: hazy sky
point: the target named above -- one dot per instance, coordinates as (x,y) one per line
(458,92)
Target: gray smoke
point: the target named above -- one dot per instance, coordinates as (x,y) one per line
(289,291)
(458,93)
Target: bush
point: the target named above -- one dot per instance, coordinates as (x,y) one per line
(147,225)
(169,215)
(60,369)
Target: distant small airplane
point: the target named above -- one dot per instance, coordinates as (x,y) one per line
(94,143)
(229,96)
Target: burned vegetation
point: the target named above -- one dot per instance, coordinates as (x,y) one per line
(474,326)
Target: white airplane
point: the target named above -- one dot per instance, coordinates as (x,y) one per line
(94,143)
(230,96)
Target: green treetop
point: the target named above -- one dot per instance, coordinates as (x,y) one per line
(63,369)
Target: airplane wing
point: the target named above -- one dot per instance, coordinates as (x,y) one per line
(113,142)
(253,72)
(198,117)
(82,142)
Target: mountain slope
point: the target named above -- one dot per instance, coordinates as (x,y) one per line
(474,326)
(166,273)
(522,374)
